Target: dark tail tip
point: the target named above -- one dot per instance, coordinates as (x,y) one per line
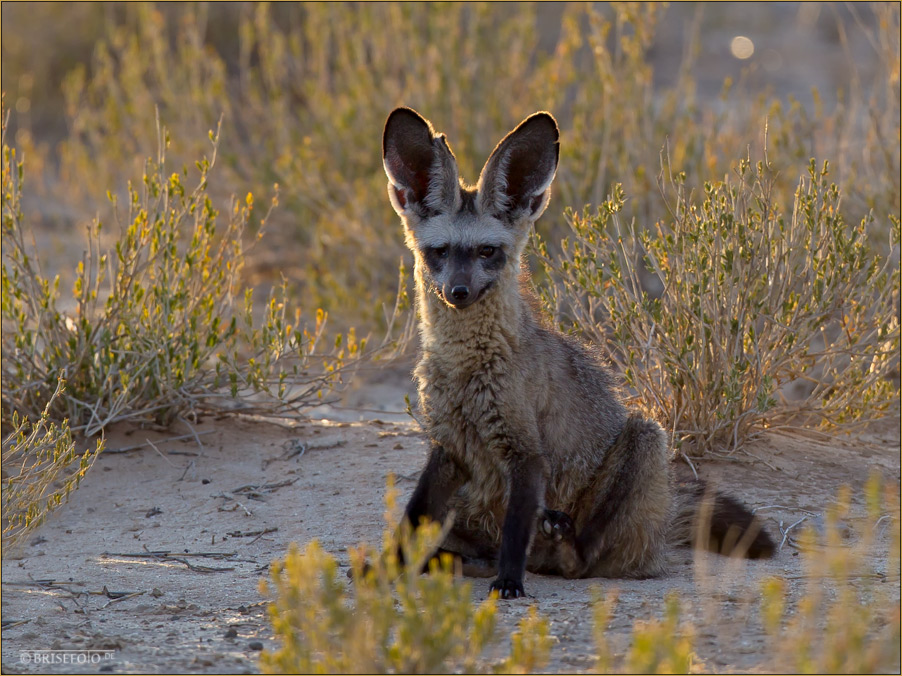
(734,527)
(723,524)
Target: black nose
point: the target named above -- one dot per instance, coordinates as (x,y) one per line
(460,292)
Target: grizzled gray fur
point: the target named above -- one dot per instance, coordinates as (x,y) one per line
(531,447)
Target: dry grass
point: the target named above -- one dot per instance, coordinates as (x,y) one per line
(38,474)
(395,621)
(747,297)
(161,328)
(846,620)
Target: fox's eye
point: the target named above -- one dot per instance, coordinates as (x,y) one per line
(486,251)
(440,251)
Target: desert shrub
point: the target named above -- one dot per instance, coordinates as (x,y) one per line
(842,617)
(38,457)
(530,646)
(304,91)
(847,619)
(657,646)
(159,326)
(752,297)
(395,621)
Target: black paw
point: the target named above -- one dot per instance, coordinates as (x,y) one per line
(507,588)
(556,526)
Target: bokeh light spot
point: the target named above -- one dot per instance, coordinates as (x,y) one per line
(741,47)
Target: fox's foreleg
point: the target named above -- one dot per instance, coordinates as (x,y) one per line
(526,500)
(439,480)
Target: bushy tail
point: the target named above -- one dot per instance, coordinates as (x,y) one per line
(712,520)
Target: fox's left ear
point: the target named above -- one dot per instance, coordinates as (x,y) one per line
(421,169)
(515,182)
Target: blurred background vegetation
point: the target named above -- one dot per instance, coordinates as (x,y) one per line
(303,91)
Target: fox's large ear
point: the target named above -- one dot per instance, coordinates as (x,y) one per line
(516,178)
(422,170)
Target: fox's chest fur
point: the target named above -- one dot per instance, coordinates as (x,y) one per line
(462,412)
(465,379)
(487,394)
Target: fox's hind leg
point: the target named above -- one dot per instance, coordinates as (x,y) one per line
(620,520)
(555,534)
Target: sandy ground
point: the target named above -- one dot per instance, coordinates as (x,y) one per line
(242,490)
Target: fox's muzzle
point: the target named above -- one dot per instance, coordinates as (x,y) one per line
(458,295)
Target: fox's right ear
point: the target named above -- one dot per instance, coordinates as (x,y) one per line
(516,180)
(421,169)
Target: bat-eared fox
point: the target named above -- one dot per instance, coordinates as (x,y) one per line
(531,447)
